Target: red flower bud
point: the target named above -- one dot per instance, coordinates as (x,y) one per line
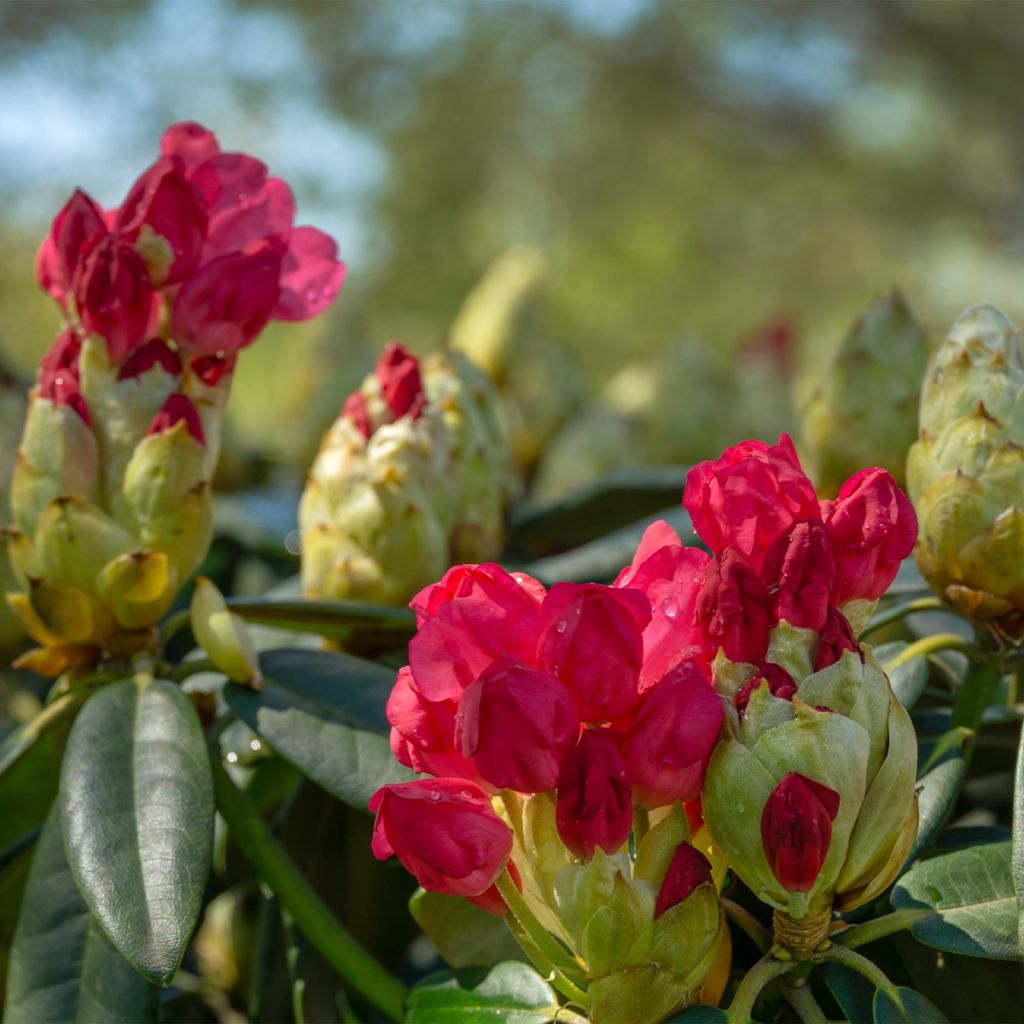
(228,180)
(398,372)
(873,528)
(593,642)
(63,354)
(311,275)
(799,569)
(156,352)
(176,409)
(836,637)
(189,143)
(688,869)
(423,732)
(594,804)
(211,370)
(796,830)
(444,831)
(671,576)
(749,497)
(356,412)
(58,374)
(487,614)
(265,213)
(780,684)
(77,227)
(734,610)
(670,740)
(168,203)
(224,306)
(115,299)
(518,725)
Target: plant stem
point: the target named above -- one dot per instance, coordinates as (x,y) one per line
(766,970)
(888,924)
(748,924)
(357,968)
(193,668)
(801,998)
(571,991)
(552,949)
(22,740)
(862,965)
(887,618)
(932,645)
(641,825)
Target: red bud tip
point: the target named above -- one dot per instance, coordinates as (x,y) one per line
(176,409)
(156,352)
(796,830)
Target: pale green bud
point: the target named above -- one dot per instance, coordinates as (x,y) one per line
(223,635)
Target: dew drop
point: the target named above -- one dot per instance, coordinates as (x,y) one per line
(562,625)
(670,607)
(232,757)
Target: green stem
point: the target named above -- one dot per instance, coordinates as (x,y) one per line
(571,991)
(339,947)
(173,625)
(932,645)
(801,998)
(862,965)
(766,970)
(641,825)
(552,949)
(748,924)
(887,618)
(888,924)
(193,668)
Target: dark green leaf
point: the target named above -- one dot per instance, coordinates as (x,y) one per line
(137,803)
(512,993)
(602,559)
(464,935)
(852,991)
(700,1015)
(63,967)
(598,508)
(939,790)
(974,695)
(324,714)
(908,1007)
(335,619)
(971,892)
(908,678)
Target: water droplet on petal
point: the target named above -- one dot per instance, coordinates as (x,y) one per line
(670,607)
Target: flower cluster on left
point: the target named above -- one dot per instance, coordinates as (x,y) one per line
(111,495)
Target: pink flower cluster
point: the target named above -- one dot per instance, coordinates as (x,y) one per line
(602,695)
(780,555)
(202,251)
(570,691)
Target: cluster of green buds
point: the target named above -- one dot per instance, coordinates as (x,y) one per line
(413,476)
(864,410)
(965,473)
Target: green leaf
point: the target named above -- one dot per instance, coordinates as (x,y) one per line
(598,508)
(905,1006)
(324,714)
(464,935)
(940,788)
(852,991)
(602,559)
(137,803)
(512,993)
(700,1015)
(971,892)
(63,967)
(908,678)
(335,619)
(974,695)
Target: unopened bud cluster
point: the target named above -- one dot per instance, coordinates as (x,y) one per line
(111,495)
(413,476)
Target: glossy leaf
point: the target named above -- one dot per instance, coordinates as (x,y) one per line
(463,934)
(905,1006)
(137,803)
(852,991)
(324,714)
(335,619)
(63,967)
(971,892)
(512,993)
(1017,861)
(700,1015)
(940,788)
(908,678)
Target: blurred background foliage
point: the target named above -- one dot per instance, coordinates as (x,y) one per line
(696,178)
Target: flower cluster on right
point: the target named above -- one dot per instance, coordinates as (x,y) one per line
(718,706)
